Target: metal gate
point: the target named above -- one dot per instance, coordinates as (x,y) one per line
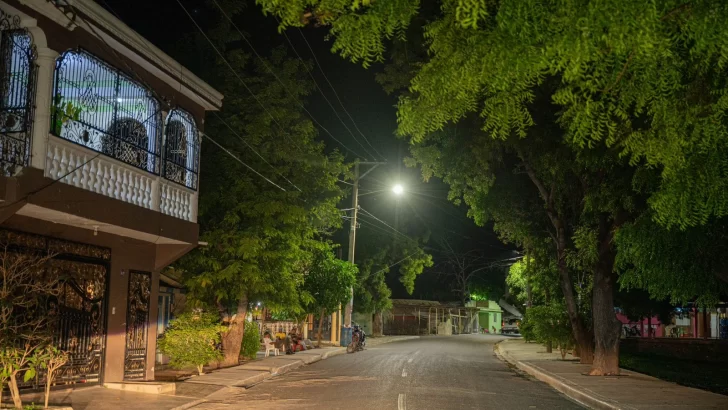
(137,324)
(78,309)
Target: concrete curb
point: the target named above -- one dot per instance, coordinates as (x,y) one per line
(331,353)
(583,396)
(189,405)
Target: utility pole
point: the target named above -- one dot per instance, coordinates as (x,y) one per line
(352,229)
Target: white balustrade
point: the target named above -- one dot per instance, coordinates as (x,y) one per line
(176,201)
(83,168)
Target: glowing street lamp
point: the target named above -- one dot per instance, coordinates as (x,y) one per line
(398,189)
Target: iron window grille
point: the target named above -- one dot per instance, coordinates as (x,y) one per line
(101,108)
(181,149)
(18,73)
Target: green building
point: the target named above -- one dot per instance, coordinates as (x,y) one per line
(490,315)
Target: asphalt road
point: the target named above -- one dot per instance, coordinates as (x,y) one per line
(457,372)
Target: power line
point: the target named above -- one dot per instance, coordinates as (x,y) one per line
(332,89)
(245,85)
(327,99)
(229,19)
(382,222)
(240,161)
(255,151)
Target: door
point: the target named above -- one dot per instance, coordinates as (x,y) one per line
(137,324)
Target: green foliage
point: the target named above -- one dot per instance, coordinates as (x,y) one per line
(259,236)
(379,255)
(191,340)
(251,341)
(549,323)
(682,266)
(646,78)
(329,281)
(63,112)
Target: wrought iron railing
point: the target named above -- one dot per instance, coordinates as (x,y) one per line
(99,107)
(181,149)
(17,93)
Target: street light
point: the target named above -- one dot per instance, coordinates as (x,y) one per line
(398,189)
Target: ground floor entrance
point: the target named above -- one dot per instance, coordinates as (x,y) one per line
(79,274)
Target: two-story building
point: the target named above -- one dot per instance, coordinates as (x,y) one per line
(100,137)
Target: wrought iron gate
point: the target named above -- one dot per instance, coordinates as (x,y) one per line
(137,324)
(78,309)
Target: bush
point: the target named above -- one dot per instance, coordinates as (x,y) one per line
(549,323)
(192,339)
(251,341)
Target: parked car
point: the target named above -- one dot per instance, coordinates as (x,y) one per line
(511,327)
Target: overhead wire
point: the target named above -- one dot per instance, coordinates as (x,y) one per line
(327,99)
(313,54)
(245,85)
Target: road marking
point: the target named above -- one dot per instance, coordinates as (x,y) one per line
(410,360)
(404,372)
(402,402)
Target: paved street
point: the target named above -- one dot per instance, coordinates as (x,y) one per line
(459,372)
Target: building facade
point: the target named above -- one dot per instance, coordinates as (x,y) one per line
(99,150)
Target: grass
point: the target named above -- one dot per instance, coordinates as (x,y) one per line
(701,375)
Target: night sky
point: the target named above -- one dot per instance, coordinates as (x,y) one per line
(423,206)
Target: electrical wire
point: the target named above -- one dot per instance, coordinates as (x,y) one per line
(254,150)
(245,85)
(230,20)
(334,90)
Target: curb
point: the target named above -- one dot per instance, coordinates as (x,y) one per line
(582,396)
(331,353)
(189,405)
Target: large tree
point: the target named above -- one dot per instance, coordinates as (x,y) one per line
(268,197)
(637,81)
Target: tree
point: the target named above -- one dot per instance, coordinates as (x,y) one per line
(630,90)
(461,269)
(263,211)
(378,254)
(27,316)
(329,282)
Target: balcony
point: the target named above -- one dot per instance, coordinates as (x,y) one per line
(106,134)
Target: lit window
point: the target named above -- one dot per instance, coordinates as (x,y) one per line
(182,148)
(101,108)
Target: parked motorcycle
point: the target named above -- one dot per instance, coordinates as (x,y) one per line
(358,340)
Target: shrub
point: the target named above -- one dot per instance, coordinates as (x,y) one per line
(251,341)
(192,339)
(549,323)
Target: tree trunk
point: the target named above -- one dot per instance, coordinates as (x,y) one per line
(549,344)
(606,325)
(232,340)
(14,391)
(378,324)
(49,380)
(582,336)
(320,328)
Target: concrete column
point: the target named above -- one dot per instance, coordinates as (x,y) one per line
(334,326)
(43,99)
(152,327)
(116,318)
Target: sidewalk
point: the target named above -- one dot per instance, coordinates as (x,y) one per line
(195,390)
(629,391)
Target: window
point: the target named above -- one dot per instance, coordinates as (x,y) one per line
(182,148)
(17,93)
(99,107)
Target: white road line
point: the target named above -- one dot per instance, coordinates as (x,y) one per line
(402,402)
(410,360)
(404,372)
